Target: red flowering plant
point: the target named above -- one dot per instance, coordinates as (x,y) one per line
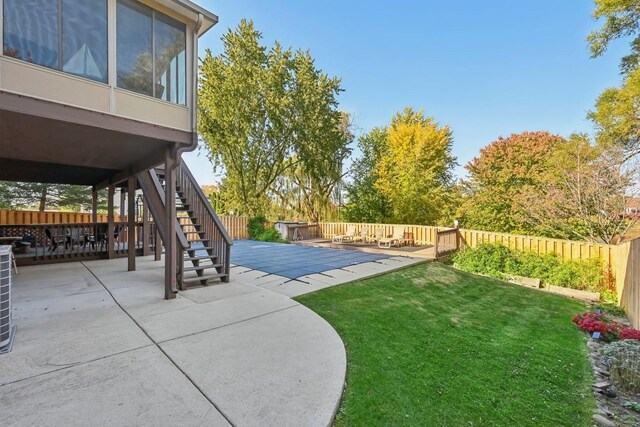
(609,329)
(598,322)
(629,334)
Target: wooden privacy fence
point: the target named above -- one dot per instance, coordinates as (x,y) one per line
(236,226)
(11,217)
(566,249)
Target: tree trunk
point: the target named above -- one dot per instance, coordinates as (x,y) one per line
(43,199)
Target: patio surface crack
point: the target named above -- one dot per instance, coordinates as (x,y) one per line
(156,344)
(73,365)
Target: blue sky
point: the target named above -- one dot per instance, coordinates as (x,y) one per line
(485,68)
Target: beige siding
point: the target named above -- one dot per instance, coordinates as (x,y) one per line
(39,82)
(146,109)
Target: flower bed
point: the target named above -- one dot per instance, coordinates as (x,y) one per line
(608,329)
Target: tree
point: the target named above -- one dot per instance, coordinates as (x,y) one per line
(414,171)
(365,203)
(29,195)
(622,19)
(505,169)
(583,193)
(265,113)
(617,116)
(306,190)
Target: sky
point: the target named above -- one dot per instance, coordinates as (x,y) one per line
(485,68)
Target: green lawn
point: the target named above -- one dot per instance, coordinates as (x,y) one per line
(431,345)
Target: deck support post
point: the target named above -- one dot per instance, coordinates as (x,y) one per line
(158,247)
(94,206)
(170,242)
(110,226)
(146,250)
(122,211)
(131,235)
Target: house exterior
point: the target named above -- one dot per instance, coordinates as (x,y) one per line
(100,92)
(633,207)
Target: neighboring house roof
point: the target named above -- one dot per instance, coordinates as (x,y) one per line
(208,190)
(633,202)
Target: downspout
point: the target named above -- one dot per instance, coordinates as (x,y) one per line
(194,88)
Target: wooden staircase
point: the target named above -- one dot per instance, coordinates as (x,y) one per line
(204,244)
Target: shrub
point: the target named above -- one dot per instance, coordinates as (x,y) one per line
(623,360)
(270,235)
(257,231)
(497,260)
(255,226)
(485,259)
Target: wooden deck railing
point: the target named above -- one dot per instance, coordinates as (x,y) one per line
(45,243)
(298,232)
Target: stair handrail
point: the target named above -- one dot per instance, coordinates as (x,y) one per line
(182,239)
(207,203)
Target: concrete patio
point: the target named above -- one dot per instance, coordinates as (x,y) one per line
(97,344)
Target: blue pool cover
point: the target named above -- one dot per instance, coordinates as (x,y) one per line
(293,261)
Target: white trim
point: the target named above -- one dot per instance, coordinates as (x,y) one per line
(111,50)
(1,35)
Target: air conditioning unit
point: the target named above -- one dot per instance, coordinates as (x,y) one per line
(6,332)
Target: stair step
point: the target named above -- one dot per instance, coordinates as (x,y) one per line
(205,277)
(198,258)
(202,233)
(202,267)
(189,225)
(203,248)
(197,240)
(183,208)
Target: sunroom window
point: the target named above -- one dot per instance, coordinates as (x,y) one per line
(151,50)
(67,35)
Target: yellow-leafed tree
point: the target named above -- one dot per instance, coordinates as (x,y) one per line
(415,169)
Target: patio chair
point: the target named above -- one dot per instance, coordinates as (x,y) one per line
(54,240)
(373,238)
(396,240)
(362,237)
(99,238)
(347,237)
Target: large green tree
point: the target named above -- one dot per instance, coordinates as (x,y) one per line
(415,171)
(617,110)
(263,113)
(365,203)
(621,20)
(617,116)
(504,170)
